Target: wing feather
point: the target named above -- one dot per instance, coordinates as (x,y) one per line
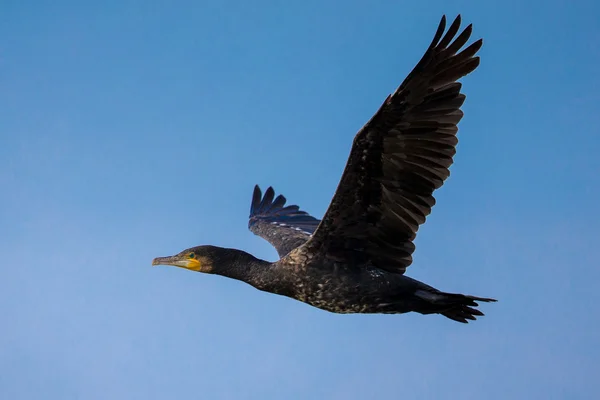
(398,159)
(284,227)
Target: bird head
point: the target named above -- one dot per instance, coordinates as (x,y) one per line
(199,259)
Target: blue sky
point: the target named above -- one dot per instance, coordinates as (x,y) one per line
(134,129)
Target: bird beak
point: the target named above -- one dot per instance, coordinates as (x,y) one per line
(173,260)
(177,261)
(157,261)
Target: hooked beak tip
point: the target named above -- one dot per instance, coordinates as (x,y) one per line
(156,261)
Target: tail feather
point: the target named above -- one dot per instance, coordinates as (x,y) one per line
(457,307)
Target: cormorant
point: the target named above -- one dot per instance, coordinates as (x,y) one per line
(354,259)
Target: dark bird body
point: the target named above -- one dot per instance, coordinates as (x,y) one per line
(353,261)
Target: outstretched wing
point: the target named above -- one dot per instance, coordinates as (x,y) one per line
(284,227)
(398,159)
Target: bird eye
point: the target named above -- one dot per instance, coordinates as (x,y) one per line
(191,255)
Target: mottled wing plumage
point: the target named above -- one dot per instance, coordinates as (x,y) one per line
(398,159)
(285,227)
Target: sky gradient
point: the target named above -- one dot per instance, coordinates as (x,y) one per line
(134,129)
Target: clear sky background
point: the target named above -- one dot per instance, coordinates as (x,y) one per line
(132,129)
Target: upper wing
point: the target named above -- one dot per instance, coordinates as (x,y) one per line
(398,159)
(284,227)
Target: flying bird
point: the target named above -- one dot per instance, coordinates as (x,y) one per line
(354,259)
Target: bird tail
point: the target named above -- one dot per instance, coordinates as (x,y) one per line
(457,307)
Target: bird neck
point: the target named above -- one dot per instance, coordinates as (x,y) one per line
(238,264)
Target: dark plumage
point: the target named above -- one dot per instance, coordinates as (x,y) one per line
(353,261)
(284,227)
